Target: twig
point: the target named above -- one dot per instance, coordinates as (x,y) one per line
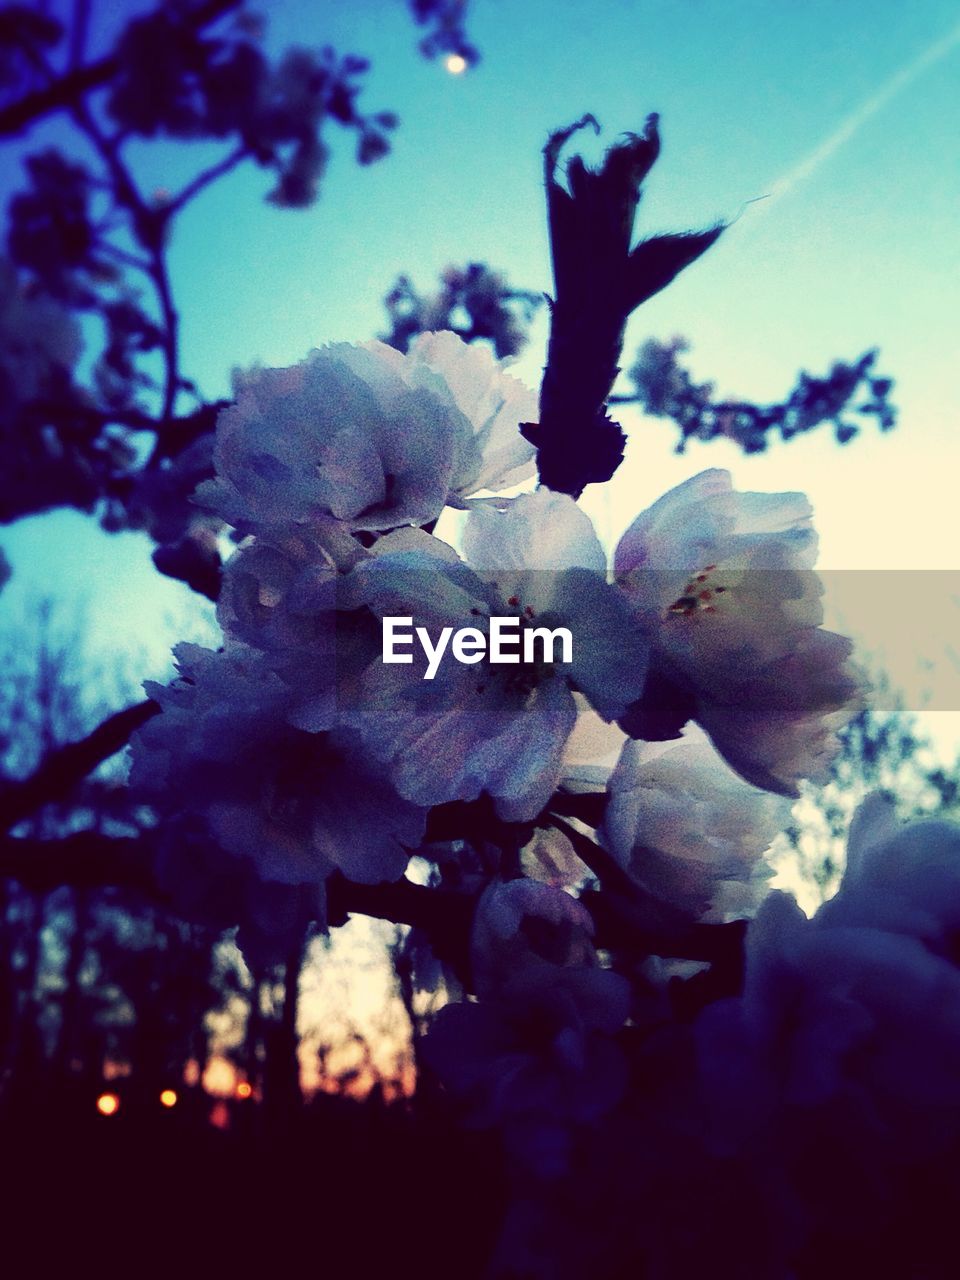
(203,180)
(122,256)
(149,227)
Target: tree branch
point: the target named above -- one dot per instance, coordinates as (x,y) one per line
(444,915)
(86,859)
(68,90)
(171,323)
(90,859)
(149,227)
(66,766)
(123,257)
(626,917)
(63,94)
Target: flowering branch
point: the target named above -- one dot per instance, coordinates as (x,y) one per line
(849,391)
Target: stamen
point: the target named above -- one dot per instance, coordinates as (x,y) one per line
(696,597)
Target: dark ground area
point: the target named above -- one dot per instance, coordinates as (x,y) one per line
(342,1188)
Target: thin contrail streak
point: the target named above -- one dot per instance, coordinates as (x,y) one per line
(858,118)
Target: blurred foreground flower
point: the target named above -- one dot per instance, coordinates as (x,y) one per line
(852,1018)
(40,343)
(536,1058)
(904,879)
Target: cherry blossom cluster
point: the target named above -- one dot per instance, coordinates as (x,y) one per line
(608,813)
(304,752)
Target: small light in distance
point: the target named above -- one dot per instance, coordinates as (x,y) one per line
(244,1090)
(108,1104)
(455,63)
(168,1098)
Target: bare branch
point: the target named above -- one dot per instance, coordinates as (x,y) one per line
(149,227)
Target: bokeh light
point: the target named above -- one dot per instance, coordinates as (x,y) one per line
(244,1090)
(455,63)
(220,1115)
(108,1104)
(168,1098)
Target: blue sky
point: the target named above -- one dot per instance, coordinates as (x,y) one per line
(859,248)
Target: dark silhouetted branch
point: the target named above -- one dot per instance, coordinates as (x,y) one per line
(66,766)
(90,859)
(627,918)
(61,95)
(84,860)
(598,281)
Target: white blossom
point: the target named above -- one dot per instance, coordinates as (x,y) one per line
(295,805)
(723,584)
(492,401)
(487,727)
(368,435)
(689,830)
